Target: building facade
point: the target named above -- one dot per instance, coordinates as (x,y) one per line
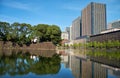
(115,24)
(64,35)
(83,68)
(68,31)
(76,28)
(93,19)
(71,33)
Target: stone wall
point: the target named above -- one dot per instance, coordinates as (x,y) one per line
(37,46)
(106,37)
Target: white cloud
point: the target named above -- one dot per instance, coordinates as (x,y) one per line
(20,5)
(7,18)
(12,19)
(17,5)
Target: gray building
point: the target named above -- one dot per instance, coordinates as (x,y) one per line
(76,28)
(71,33)
(115,24)
(68,31)
(93,19)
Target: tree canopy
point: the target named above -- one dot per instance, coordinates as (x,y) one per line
(23,33)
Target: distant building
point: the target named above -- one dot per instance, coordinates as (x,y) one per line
(115,24)
(76,28)
(82,39)
(93,19)
(110,30)
(68,31)
(64,35)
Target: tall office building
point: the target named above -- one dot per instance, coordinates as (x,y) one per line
(68,30)
(76,28)
(93,19)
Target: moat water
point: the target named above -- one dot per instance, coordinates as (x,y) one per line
(70,64)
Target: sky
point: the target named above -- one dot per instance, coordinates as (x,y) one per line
(57,12)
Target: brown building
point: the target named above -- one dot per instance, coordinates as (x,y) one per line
(76,28)
(93,19)
(84,68)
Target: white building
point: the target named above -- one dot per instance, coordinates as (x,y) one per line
(64,35)
(110,30)
(114,24)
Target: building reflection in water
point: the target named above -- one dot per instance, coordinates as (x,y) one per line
(82,67)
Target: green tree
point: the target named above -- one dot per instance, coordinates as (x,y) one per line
(5,31)
(54,34)
(41,29)
(20,33)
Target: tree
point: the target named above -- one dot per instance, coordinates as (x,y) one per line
(21,33)
(41,30)
(54,34)
(4,31)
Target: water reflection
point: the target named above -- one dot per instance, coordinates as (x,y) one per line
(109,57)
(20,64)
(84,63)
(95,64)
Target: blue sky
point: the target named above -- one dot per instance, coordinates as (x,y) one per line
(58,12)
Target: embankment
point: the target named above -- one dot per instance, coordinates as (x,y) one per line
(37,46)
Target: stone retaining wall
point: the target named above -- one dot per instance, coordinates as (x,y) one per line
(37,46)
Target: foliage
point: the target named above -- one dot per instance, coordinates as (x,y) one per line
(109,57)
(23,64)
(22,33)
(107,44)
(112,54)
(5,31)
(54,34)
(95,44)
(74,46)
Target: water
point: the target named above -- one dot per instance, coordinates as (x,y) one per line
(73,64)
(93,63)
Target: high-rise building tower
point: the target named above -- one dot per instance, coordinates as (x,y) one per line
(68,30)
(93,19)
(76,28)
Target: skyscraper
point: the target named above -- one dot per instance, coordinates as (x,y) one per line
(76,28)
(68,30)
(93,19)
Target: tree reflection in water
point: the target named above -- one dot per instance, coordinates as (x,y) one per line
(109,57)
(20,63)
